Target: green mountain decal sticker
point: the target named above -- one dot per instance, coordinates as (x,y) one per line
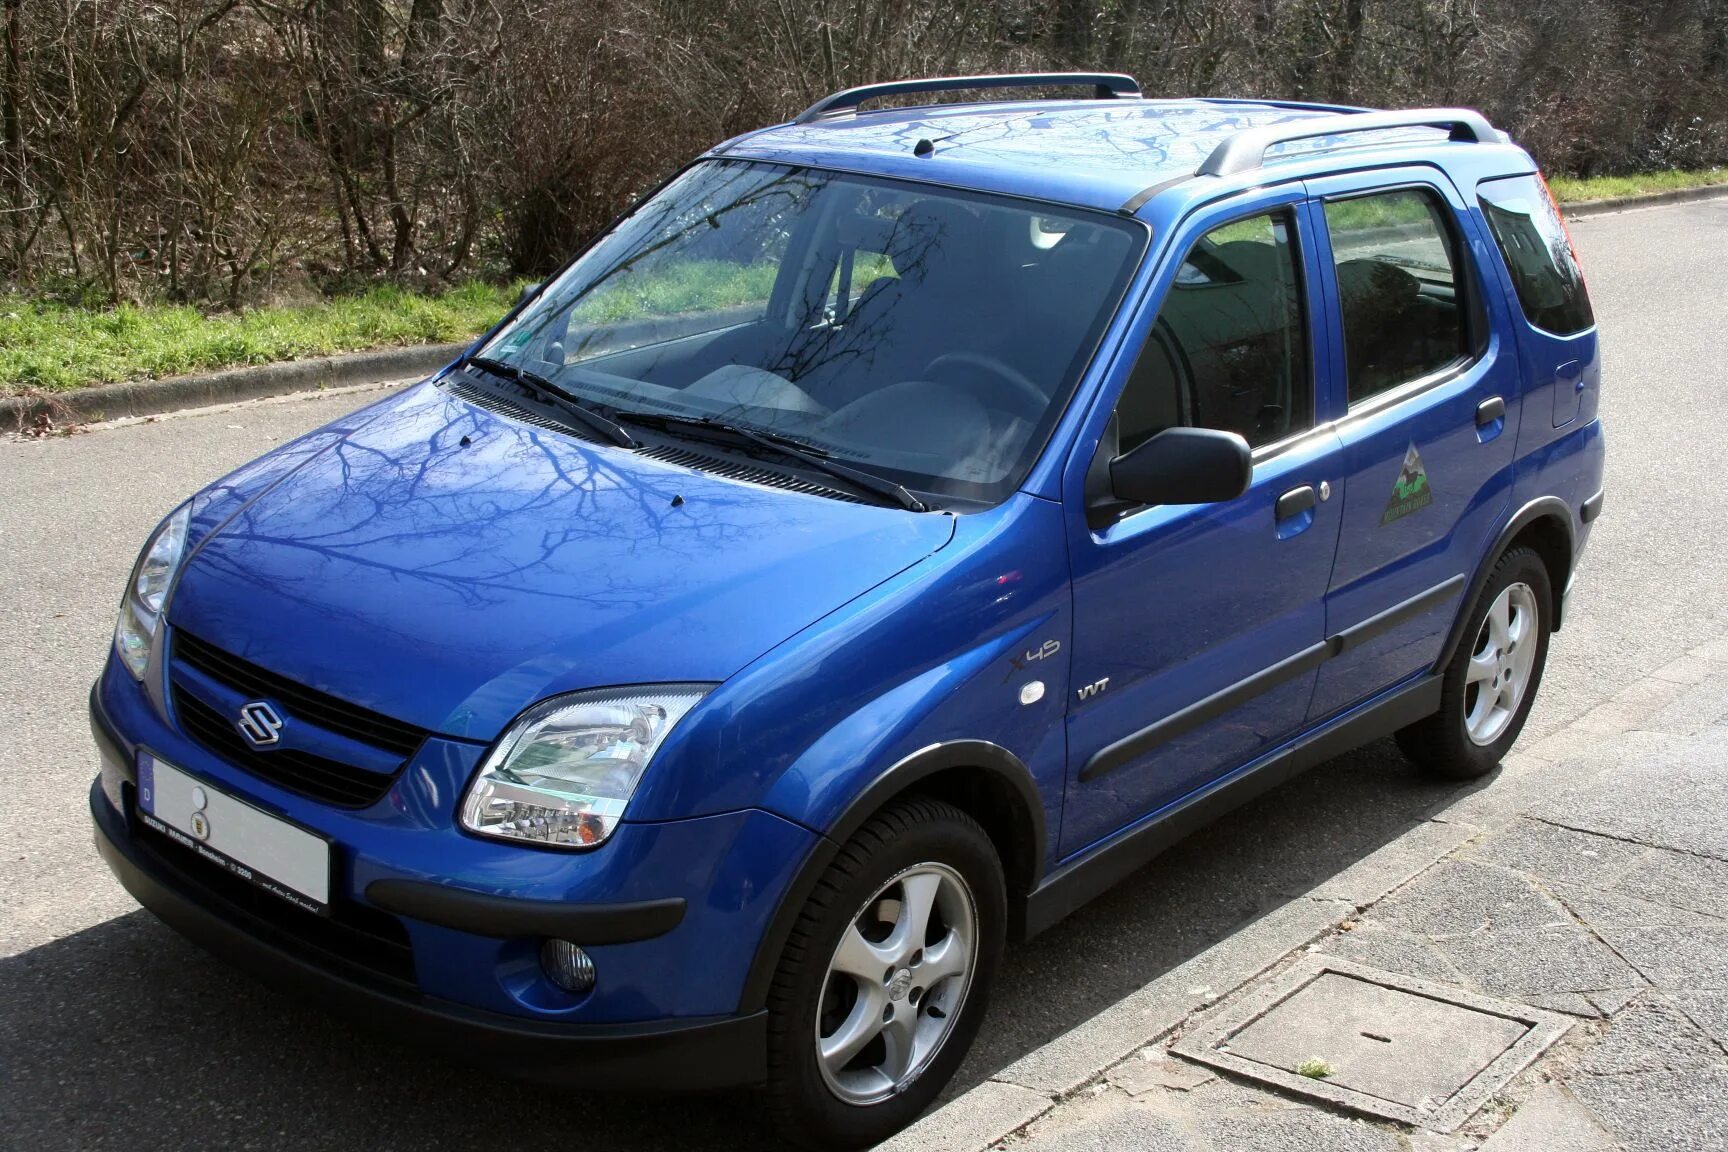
(1411,493)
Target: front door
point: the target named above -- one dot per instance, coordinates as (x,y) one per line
(1424,387)
(1197,627)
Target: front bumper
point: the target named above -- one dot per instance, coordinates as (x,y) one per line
(706,1053)
(303,953)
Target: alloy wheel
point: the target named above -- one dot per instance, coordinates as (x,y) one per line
(896,983)
(1501,664)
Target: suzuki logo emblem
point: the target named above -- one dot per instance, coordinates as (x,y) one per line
(260,723)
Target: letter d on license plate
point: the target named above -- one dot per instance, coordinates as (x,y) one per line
(262,849)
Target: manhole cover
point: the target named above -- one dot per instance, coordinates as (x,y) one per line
(1388,1045)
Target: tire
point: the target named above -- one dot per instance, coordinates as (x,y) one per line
(916,853)
(1492,679)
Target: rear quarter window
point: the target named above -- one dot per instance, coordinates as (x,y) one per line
(1538,254)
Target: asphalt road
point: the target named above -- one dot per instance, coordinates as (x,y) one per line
(115,1033)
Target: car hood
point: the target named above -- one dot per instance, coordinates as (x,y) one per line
(447,567)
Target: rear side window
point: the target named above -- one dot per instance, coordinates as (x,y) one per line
(1538,253)
(1229,349)
(1399,288)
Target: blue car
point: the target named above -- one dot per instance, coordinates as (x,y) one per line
(894,530)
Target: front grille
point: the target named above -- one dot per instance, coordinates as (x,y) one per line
(352,932)
(328,781)
(307,704)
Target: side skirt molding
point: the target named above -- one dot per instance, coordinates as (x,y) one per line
(1130,747)
(1079,881)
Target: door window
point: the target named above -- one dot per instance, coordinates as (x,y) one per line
(1229,349)
(1399,289)
(1538,253)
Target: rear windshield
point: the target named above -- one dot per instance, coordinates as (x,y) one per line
(1533,240)
(924,334)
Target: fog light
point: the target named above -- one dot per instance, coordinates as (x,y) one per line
(567,965)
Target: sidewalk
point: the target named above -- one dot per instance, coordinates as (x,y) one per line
(1575,908)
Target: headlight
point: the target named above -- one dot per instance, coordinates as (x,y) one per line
(564,771)
(147,592)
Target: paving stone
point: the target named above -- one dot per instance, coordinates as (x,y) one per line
(1630,708)
(1392,950)
(1295,1130)
(1687,670)
(1107,1124)
(1457,897)
(1552,1120)
(1141,1075)
(1696,708)
(1614,999)
(1553,853)
(1648,1035)
(1716,650)
(1615,909)
(1571,1003)
(1523,964)
(1699,883)
(1689,958)
(1660,1111)
(1671,801)
(1709,1010)
(1392,864)
(973,1119)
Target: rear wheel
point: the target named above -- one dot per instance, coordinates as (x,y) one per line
(1491,682)
(882,985)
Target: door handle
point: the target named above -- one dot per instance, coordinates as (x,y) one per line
(1295,502)
(1490,410)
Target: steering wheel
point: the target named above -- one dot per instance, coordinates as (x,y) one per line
(1023,398)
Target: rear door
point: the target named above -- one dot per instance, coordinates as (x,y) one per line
(1423,381)
(1197,627)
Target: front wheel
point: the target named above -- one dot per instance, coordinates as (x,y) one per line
(883,982)
(1491,682)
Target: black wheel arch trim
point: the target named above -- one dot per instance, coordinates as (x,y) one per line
(502,917)
(903,776)
(1543,507)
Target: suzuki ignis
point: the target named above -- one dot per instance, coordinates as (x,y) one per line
(892,531)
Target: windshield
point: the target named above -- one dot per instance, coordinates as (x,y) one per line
(922,334)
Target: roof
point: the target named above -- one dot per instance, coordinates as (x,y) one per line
(1097,153)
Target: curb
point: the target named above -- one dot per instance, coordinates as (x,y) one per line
(154,397)
(1584,208)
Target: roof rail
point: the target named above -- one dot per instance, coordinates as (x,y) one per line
(1246,150)
(1104,85)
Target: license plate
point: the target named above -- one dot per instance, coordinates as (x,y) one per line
(262,849)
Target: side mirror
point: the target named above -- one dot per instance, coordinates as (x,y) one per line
(529,291)
(1183,466)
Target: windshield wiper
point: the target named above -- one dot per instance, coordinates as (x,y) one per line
(566,402)
(805,454)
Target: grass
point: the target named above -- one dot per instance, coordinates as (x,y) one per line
(1575,190)
(1314,1068)
(54,347)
